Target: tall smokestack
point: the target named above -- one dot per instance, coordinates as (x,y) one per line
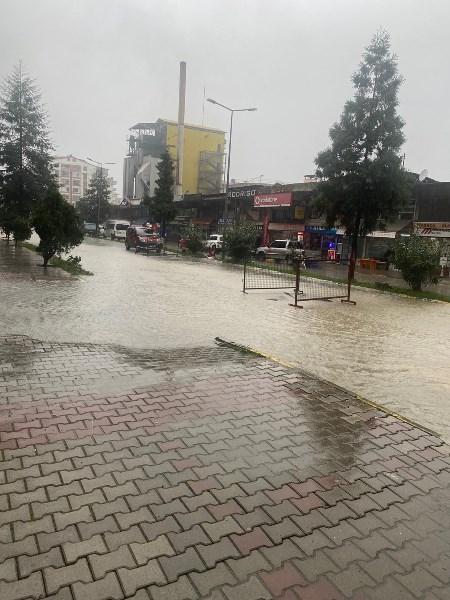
(180,142)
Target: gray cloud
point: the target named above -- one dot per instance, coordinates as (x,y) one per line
(103,65)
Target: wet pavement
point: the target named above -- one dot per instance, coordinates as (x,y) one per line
(208,473)
(390,349)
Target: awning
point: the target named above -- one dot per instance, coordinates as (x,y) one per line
(201,221)
(286,227)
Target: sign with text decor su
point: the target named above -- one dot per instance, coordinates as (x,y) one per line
(272,200)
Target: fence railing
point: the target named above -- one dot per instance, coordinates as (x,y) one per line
(300,274)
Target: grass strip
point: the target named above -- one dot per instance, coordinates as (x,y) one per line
(57,261)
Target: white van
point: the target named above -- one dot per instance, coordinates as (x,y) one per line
(116,230)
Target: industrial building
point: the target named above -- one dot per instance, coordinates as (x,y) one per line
(203,158)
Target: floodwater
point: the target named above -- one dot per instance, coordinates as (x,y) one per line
(390,349)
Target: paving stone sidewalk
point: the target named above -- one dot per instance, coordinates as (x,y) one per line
(208,473)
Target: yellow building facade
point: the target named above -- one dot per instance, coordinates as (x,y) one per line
(203,157)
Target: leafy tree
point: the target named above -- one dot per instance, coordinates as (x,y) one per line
(418,260)
(194,239)
(24,152)
(161,207)
(239,241)
(362,182)
(57,224)
(94,207)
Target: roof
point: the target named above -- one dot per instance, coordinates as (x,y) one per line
(190,126)
(143,126)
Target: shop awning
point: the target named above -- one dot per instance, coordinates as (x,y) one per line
(286,227)
(201,221)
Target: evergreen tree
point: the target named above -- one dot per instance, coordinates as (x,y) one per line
(161,207)
(94,207)
(24,152)
(57,224)
(363,182)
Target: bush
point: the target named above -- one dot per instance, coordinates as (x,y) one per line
(418,260)
(194,241)
(240,240)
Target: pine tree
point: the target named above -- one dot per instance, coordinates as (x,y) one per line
(363,183)
(94,207)
(161,207)
(25,148)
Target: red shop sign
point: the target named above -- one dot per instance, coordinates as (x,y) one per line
(272,200)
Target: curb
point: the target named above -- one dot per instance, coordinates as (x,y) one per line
(371,403)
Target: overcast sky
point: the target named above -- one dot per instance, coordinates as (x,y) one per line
(103,65)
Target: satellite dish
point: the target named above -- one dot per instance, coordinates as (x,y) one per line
(423,174)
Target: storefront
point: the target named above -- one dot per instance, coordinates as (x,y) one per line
(281,220)
(322,239)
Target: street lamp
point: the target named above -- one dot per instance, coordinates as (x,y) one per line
(100,196)
(231,111)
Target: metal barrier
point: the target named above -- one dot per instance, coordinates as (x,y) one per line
(269,276)
(302,275)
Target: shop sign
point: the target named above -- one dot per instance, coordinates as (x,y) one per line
(382,234)
(438,229)
(272,200)
(248,193)
(229,221)
(319,229)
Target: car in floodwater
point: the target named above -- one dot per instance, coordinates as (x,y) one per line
(116,230)
(280,250)
(143,239)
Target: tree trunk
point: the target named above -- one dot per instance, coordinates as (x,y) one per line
(353,255)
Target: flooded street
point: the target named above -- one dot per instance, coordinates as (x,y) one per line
(390,349)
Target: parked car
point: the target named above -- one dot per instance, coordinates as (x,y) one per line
(116,229)
(215,242)
(89,228)
(280,249)
(143,239)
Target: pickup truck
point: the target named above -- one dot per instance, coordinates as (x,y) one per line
(215,242)
(280,249)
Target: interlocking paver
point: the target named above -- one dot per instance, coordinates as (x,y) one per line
(217,552)
(31,587)
(56,578)
(252,589)
(104,589)
(119,538)
(103,563)
(133,579)
(73,551)
(283,578)
(213,578)
(181,589)
(158,547)
(37,562)
(214,484)
(181,564)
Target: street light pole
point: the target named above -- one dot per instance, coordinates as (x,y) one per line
(99,193)
(227,189)
(228,164)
